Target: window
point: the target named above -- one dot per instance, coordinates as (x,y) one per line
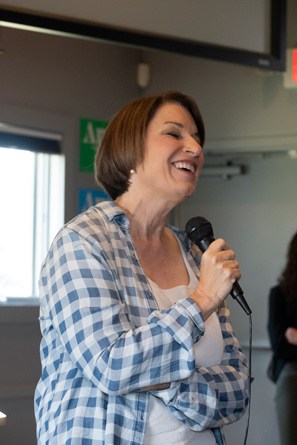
(32,210)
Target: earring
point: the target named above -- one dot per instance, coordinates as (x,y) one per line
(132,171)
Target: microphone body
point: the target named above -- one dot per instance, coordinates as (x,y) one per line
(200,232)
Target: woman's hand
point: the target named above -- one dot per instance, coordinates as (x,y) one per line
(218,272)
(291,336)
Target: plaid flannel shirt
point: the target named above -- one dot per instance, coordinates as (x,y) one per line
(104,341)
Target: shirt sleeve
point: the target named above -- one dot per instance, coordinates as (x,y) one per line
(88,325)
(276,318)
(212,396)
(278,322)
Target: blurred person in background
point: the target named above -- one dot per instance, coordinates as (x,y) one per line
(282,328)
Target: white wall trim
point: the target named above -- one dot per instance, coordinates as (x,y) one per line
(252,144)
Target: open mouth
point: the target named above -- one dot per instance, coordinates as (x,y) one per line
(186,166)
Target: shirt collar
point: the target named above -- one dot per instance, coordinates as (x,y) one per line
(112,212)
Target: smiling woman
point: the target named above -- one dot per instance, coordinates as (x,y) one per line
(125,145)
(131,311)
(173,157)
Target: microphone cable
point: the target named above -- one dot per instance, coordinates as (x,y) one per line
(250,378)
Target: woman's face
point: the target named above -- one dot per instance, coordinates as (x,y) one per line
(173,155)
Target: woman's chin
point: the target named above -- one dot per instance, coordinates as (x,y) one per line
(186,195)
(189,192)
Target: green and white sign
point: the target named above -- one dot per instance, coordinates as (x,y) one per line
(91,133)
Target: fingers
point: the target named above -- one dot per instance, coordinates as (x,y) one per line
(219,265)
(218,245)
(219,252)
(218,272)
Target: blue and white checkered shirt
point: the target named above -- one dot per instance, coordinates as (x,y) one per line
(104,340)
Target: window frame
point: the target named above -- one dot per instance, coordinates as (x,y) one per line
(37,118)
(46,147)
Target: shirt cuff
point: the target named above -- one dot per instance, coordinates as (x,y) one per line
(196,315)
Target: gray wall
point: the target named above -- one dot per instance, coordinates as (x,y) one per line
(49,83)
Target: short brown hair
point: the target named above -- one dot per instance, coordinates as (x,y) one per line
(122,146)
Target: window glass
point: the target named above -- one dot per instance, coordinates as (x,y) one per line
(32,210)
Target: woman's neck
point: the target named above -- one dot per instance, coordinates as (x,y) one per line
(147,218)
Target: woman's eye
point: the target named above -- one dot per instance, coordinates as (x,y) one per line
(173,134)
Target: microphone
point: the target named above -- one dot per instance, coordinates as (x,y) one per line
(200,232)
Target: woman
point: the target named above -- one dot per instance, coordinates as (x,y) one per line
(137,344)
(282,328)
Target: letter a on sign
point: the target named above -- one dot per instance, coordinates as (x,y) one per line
(91,133)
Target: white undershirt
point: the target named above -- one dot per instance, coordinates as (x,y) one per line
(162,426)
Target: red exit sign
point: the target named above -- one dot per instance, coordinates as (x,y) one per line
(294,65)
(290,75)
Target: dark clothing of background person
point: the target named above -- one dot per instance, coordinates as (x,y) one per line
(282,315)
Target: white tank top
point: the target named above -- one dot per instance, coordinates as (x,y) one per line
(162,426)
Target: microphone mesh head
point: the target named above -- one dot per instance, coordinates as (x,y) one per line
(198,228)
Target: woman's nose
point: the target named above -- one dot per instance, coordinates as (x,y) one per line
(192,146)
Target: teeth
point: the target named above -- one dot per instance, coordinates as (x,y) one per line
(185,166)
